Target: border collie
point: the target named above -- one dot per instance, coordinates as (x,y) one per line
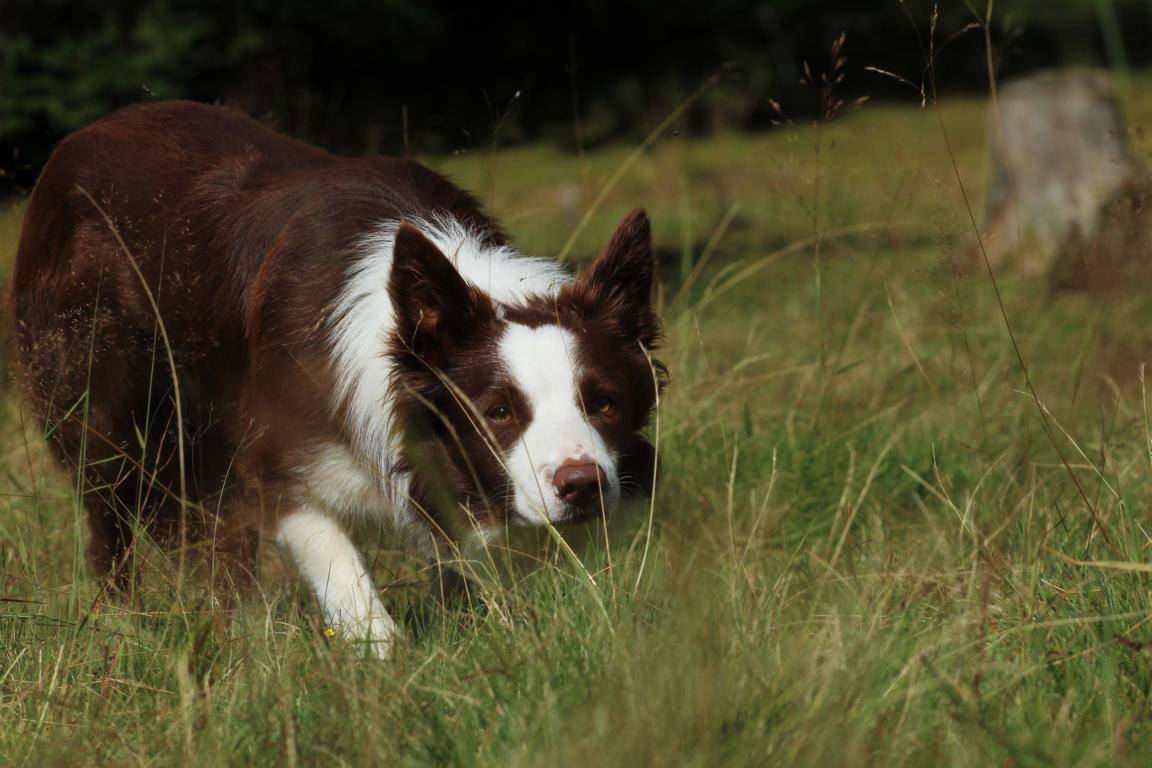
(228,333)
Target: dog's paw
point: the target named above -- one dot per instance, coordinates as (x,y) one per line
(372,637)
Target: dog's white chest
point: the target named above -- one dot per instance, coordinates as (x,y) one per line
(344,486)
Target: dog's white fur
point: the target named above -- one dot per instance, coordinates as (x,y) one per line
(360,483)
(329,562)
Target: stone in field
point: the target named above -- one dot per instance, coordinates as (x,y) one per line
(1060,172)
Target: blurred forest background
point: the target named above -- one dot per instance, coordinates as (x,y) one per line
(421,76)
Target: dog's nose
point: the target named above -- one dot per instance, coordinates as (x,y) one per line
(579,484)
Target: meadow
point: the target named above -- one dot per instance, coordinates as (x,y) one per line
(887,530)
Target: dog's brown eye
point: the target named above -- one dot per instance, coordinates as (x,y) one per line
(501,414)
(604,405)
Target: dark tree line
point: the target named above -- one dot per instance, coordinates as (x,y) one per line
(430,75)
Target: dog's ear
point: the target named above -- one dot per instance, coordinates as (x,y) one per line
(618,284)
(435,307)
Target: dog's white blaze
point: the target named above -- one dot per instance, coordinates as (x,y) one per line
(542,362)
(330,563)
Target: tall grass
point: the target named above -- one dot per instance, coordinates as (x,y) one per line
(865,548)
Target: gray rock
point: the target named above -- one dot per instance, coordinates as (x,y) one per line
(1058,155)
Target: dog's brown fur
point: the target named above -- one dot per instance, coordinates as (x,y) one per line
(200,226)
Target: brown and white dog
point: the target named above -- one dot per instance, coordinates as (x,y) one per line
(227,332)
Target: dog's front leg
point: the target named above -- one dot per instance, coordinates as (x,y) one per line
(329,561)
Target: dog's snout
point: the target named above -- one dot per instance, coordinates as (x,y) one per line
(579,483)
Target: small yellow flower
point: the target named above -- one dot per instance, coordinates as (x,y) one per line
(329,632)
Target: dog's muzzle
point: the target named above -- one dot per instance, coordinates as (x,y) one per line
(580,485)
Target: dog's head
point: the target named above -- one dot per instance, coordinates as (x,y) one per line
(532,411)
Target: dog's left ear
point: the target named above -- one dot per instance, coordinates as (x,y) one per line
(436,308)
(619,282)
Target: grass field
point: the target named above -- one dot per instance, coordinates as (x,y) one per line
(867,548)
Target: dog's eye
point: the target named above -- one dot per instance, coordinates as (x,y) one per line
(501,414)
(604,405)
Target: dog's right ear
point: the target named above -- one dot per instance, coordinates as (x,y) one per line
(618,283)
(435,307)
